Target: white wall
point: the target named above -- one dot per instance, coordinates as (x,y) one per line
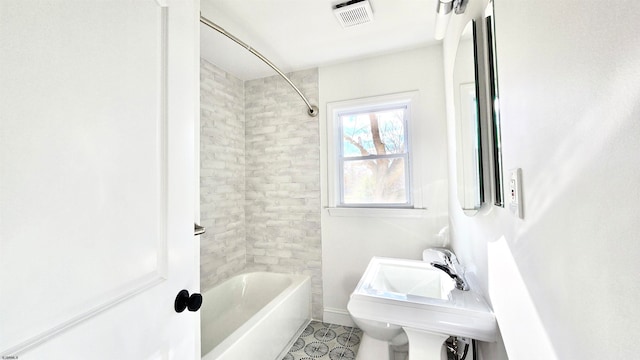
(564,282)
(349,242)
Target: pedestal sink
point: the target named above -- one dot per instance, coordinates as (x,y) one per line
(423,301)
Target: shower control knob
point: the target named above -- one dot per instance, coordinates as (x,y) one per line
(184,301)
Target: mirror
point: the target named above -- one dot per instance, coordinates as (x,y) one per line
(468,133)
(494,107)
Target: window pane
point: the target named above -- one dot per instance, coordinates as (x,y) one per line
(373,133)
(379,181)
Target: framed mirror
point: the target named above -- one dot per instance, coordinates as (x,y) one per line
(494,106)
(469,164)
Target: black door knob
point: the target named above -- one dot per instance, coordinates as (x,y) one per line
(194,303)
(184,301)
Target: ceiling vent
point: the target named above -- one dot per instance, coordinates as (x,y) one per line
(354,12)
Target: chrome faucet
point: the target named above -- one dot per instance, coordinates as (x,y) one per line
(451,266)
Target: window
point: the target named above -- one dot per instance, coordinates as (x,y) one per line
(372,157)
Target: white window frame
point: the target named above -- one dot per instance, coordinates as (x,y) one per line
(334,145)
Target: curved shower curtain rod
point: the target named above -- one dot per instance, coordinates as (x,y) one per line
(312,109)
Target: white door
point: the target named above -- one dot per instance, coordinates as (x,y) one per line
(98,101)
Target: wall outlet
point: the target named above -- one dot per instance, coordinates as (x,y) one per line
(515,193)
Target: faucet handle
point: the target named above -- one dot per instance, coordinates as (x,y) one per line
(443,254)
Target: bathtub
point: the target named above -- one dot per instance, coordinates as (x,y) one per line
(254,316)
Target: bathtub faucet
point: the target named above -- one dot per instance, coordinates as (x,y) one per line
(451,266)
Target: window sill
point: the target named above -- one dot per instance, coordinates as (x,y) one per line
(377,212)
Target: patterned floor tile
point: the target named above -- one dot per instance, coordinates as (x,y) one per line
(322,341)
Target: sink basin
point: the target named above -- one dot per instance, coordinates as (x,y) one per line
(406,280)
(413,294)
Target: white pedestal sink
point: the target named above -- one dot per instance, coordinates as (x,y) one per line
(425,345)
(423,301)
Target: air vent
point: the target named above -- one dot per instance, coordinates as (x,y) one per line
(354,12)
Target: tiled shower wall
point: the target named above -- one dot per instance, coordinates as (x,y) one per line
(260,178)
(283,179)
(222,168)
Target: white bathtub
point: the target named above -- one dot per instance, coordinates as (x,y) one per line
(254,316)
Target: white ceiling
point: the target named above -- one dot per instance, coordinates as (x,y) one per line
(301,34)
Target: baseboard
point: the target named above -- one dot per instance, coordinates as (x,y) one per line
(337,316)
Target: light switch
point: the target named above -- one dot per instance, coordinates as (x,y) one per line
(515,193)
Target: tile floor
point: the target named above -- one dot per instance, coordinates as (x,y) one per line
(322,341)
